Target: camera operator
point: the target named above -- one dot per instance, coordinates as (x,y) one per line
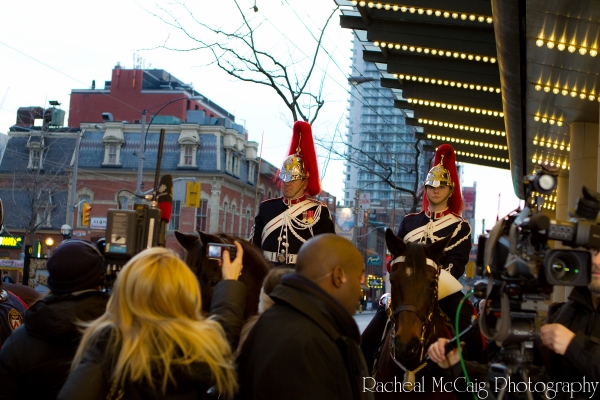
(572,336)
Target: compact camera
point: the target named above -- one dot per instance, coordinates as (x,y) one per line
(214,251)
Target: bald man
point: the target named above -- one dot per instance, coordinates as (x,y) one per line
(306,346)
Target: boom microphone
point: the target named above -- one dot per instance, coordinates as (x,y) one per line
(164,197)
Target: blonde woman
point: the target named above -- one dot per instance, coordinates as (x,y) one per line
(152,341)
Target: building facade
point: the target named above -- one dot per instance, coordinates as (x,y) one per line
(201,144)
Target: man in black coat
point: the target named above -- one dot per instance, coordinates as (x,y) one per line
(306,346)
(36,358)
(572,336)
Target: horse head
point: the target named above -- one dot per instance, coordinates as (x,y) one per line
(208,271)
(414,280)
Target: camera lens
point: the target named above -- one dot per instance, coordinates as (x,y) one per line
(561,271)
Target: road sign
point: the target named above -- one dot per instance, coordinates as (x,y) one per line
(364,202)
(361,218)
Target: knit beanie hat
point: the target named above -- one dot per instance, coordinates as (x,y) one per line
(75,265)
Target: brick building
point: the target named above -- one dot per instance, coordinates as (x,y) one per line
(202,143)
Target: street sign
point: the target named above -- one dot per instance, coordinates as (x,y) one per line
(361,218)
(98,223)
(364,202)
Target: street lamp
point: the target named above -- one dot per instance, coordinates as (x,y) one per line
(65,230)
(49,243)
(144,132)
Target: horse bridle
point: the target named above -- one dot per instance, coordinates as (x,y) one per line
(425,319)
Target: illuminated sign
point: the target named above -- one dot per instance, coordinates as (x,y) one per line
(12,242)
(374,282)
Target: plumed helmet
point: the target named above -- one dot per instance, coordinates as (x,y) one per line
(301,162)
(444,172)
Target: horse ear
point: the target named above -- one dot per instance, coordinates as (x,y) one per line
(186,240)
(395,245)
(204,239)
(435,250)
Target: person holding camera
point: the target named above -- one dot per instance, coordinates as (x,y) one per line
(440,218)
(283,224)
(153,342)
(571,336)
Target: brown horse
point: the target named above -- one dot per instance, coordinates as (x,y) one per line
(208,271)
(415,322)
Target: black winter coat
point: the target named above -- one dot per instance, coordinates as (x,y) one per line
(91,379)
(582,358)
(304,347)
(36,358)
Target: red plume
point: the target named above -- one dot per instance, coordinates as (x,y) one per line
(302,136)
(455,203)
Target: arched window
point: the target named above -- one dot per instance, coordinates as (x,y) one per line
(225,207)
(231,231)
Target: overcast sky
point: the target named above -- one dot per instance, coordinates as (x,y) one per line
(49,48)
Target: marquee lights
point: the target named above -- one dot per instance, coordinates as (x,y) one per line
(571,48)
(456,107)
(461,127)
(427,11)
(566,92)
(540,159)
(481,156)
(550,144)
(446,82)
(467,142)
(427,50)
(544,120)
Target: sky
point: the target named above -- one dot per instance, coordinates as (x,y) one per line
(49,48)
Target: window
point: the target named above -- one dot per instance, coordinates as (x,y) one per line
(231,230)
(228,161)
(188,156)
(248,224)
(174,221)
(124,202)
(202,216)
(112,154)
(251,171)
(82,199)
(35,159)
(225,207)
(43,217)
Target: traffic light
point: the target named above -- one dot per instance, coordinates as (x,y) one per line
(85,214)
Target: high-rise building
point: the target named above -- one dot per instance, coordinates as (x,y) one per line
(381,147)
(380,155)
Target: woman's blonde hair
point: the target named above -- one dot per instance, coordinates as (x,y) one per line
(154,323)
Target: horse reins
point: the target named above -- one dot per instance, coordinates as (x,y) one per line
(409,375)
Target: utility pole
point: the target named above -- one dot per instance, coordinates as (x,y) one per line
(356,210)
(138,188)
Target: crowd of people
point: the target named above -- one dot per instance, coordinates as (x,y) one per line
(149,339)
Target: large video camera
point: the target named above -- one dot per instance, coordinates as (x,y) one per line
(521,269)
(128,232)
(519,264)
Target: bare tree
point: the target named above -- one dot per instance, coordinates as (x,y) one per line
(38,197)
(383,163)
(240,53)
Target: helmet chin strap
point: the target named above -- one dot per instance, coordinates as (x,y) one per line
(297,191)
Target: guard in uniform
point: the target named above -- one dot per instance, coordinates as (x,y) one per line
(283,224)
(12,310)
(440,217)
